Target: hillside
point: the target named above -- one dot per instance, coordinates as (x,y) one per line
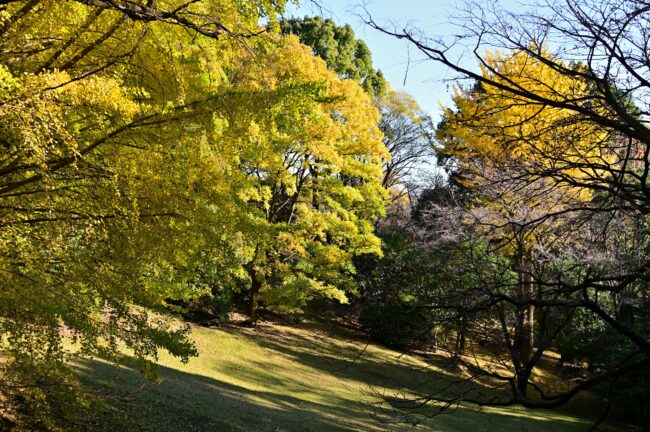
(282,378)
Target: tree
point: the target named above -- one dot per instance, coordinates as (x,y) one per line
(100,160)
(408,131)
(408,135)
(142,146)
(579,146)
(344,54)
(311,177)
(486,148)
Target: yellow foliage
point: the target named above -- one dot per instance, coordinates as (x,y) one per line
(499,127)
(137,157)
(514,147)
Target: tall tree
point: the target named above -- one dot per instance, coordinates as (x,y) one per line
(409,137)
(408,131)
(105,150)
(140,141)
(577,146)
(344,54)
(312,167)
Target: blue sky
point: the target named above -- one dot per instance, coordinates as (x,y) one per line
(426,81)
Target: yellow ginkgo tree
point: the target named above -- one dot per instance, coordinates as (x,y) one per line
(509,152)
(110,191)
(310,170)
(141,143)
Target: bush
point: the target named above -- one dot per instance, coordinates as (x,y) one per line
(397,325)
(210,307)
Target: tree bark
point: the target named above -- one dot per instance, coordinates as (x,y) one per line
(256,286)
(524,337)
(523,376)
(460,336)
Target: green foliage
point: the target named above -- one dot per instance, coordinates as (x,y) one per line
(584,338)
(141,162)
(349,57)
(397,325)
(392,276)
(588,339)
(393,291)
(39,395)
(220,285)
(630,396)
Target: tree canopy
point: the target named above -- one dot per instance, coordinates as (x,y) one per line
(338,46)
(143,145)
(550,142)
(162,156)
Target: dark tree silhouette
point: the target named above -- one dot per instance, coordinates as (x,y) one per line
(591,256)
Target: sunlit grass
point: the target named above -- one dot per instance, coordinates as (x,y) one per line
(281,378)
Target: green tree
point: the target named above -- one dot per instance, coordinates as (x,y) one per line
(344,54)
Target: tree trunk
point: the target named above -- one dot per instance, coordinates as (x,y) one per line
(524,337)
(523,376)
(460,336)
(256,285)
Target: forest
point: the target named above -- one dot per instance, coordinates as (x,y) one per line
(216,215)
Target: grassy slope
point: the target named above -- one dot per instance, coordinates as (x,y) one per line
(280,378)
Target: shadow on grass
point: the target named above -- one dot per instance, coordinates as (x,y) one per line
(190,402)
(310,385)
(335,353)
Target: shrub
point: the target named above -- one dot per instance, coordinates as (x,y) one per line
(397,325)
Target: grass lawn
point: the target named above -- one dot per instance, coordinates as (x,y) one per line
(281,378)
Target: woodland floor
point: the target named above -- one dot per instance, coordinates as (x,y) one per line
(314,376)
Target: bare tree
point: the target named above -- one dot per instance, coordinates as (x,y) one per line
(515,285)
(566,254)
(408,135)
(608,38)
